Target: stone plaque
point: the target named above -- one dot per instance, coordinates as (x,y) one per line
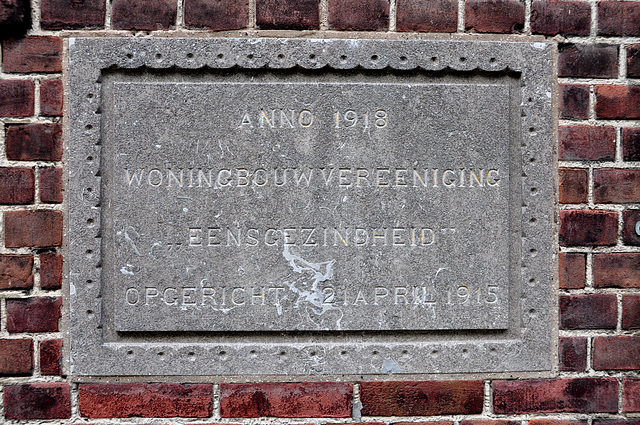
(299,207)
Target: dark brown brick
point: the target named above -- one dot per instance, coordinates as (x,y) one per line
(421,398)
(616,185)
(617,102)
(631,311)
(631,143)
(32,54)
(35,229)
(16,98)
(147,15)
(33,314)
(427,16)
(618,18)
(16,357)
(630,227)
(631,396)
(51,185)
(551,421)
(288,14)
(146,400)
(17,185)
(50,271)
(572,267)
(15,18)
(588,60)
(216,15)
(574,185)
(588,227)
(633,60)
(497,16)
(51,92)
(42,400)
(584,395)
(72,14)
(583,142)
(359,15)
(16,271)
(616,421)
(616,352)
(33,142)
(573,354)
(574,101)
(560,17)
(588,311)
(616,270)
(51,357)
(296,400)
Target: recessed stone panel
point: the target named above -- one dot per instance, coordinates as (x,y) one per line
(307,207)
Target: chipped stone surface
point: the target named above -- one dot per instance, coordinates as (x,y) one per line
(277,196)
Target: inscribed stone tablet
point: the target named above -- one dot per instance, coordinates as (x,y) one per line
(299,196)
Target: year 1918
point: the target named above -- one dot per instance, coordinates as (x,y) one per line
(350,118)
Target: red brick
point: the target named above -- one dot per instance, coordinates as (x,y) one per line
(216,15)
(572,267)
(583,142)
(146,400)
(584,395)
(616,421)
(631,143)
(630,235)
(616,352)
(631,311)
(498,16)
(36,229)
(617,102)
(616,270)
(16,98)
(548,421)
(32,54)
(51,92)
(17,185)
(427,16)
(574,185)
(16,356)
(50,271)
(421,398)
(51,185)
(633,60)
(588,311)
(573,354)
(33,142)
(51,357)
(72,14)
(574,101)
(588,60)
(588,227)
(618,18)
(299,400)
(613,185)
(43,400)
(33,314)
(15,17)
(359,15)
(560,17)
(631,395)
(289,14)
(16,271)
(143,14)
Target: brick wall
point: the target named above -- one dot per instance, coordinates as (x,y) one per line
(599,194)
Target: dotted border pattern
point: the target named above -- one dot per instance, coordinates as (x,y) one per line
(532,351)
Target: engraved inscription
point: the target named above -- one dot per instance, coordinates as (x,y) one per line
(269,206)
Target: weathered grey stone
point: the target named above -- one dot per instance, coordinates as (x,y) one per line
(274,206)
